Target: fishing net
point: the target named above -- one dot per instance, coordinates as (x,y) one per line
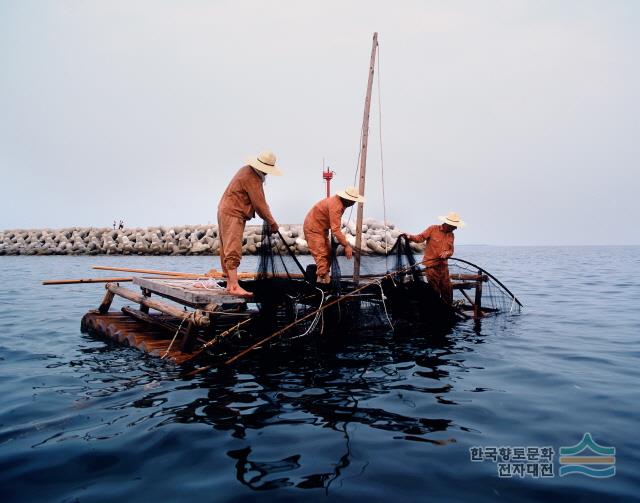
(282,294)
(475,286)
(392,289)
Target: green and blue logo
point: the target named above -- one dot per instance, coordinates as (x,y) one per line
(588,458)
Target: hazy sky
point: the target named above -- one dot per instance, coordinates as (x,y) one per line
(523,116)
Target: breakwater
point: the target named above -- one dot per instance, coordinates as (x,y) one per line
(176,240)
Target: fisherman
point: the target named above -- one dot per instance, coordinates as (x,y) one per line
(325,216)
(242,199)
(439,248)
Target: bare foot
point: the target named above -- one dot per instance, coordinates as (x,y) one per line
(239,291)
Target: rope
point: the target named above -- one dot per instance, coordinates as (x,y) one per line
(207,284)
(355,175)
(384,200)
(384,304)
(513,303)
(319,313)
(192,317)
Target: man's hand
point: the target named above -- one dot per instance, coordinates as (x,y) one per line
(445,255)
(348,252)
(274,228)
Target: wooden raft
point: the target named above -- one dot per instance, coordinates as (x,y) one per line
(126,330)
(153,333)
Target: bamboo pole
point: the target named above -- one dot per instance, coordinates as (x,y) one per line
(473,277)
(146,271)
(363,160)
(188,275)
(85,280)
(212,342)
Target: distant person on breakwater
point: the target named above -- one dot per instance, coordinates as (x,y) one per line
(114,225)
(439,248)
(325,216)
(242,199)
(121,225)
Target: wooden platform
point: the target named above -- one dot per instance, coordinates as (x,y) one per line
(126,330)
(185,292)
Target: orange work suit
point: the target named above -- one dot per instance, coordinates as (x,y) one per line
(437,270)
(242,199)
(324,216)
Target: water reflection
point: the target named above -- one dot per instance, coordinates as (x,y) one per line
(379,381)
(291,411)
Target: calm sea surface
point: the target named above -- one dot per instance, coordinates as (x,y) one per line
(380,417)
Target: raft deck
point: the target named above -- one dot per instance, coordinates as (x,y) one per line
(154,333)
(185,292)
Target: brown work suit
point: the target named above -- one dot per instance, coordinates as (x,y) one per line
(324,216)
(243,198)
(437,270)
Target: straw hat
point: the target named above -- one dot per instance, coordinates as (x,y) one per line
(452,219)
(352,194)
(265,162)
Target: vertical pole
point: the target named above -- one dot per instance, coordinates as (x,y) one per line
(106,302)
(477,306)
(328,185)
(144,308)
(363,160)
(328,175)
(189,340)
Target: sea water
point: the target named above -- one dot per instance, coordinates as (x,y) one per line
(377,415)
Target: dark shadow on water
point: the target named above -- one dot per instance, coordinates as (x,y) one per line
(327,382)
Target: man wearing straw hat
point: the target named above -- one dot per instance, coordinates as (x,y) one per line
(325,216)
(439,248)
(243,198)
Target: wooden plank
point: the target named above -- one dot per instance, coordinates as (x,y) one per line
(153,320)
(198,318)
(183,289)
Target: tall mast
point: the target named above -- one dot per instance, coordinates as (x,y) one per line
(363,159)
